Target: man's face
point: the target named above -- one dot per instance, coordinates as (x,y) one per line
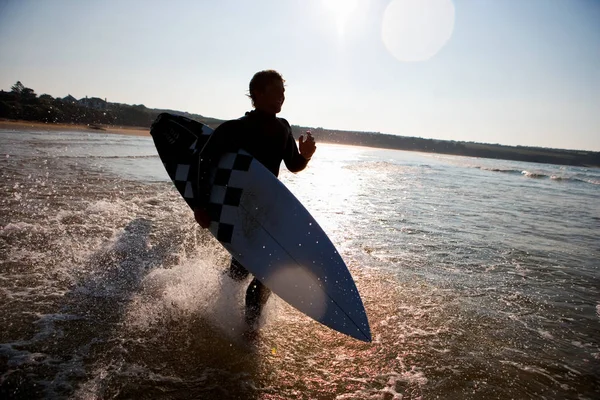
(271,98)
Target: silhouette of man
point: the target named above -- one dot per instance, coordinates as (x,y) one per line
(268,139)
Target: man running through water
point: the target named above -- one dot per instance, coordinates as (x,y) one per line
(268,139)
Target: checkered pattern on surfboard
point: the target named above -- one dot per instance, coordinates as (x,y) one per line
(179,140)
(228,182)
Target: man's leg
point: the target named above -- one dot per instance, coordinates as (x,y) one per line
(256,297)
(237,272)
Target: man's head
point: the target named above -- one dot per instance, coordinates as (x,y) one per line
(267,91)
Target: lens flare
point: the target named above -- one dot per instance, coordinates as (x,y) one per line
(301,288)
(416,30)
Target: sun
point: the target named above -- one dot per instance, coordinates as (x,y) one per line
(416,30)
(341,10)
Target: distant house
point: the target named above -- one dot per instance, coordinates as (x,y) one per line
(93,102)
(69,99)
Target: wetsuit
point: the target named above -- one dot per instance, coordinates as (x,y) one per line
(268,139)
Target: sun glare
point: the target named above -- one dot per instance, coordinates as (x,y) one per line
(416,30)
(341,10)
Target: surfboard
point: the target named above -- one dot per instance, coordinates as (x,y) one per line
(265,227)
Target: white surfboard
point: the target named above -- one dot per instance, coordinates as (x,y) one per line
(262,224)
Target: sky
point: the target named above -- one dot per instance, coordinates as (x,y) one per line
(493,71)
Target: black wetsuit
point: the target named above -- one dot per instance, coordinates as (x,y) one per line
(268,139)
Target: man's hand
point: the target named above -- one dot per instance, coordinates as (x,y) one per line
(202,217)
(307,146)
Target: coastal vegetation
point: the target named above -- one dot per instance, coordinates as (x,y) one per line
(22,103)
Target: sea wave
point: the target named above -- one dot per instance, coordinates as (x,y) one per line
(503,170)
(535,175)
(541,175)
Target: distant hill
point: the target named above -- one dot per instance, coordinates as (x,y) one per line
(469,149)
(21,103)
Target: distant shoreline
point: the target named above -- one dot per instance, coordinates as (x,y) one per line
(110,129)
(21,108)
(586,159)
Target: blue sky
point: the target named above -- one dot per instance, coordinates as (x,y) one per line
(498,71)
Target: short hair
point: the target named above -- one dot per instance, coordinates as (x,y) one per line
(261,80)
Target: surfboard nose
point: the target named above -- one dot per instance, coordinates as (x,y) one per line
(334,303)
(354,323)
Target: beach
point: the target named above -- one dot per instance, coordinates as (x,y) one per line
(53,127)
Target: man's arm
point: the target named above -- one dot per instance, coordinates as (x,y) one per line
(296,159)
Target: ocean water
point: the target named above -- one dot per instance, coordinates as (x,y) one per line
(481,279)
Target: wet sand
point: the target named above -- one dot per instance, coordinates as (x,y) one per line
(29,125)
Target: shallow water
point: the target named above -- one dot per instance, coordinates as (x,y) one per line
(480,278)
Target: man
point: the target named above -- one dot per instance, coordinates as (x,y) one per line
(268,139)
